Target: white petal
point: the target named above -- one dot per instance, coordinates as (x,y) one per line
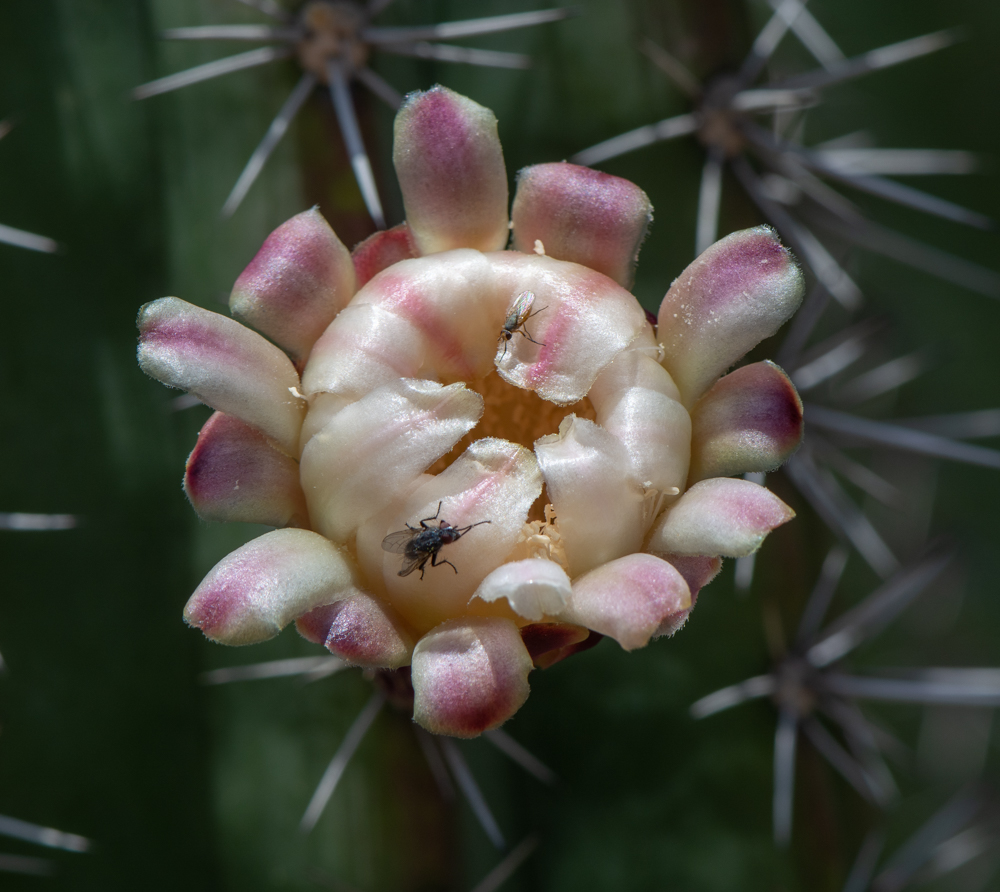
(534,588)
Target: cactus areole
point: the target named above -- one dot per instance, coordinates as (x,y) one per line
(380,410)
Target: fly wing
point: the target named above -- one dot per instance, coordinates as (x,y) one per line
(397,542)
(519,310)
(411,562)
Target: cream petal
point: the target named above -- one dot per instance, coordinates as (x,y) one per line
(582,321)
(235,473)
(636,400)
(597,501)
(720,516)
(434,317)
(451,172)
(734,295)
(751,420)
(583,216)
(628,599)
(361,630)
(550,643)
(224,364)
(493,480)
(381,250)
(300,279)
(534,588)
(253,593)
(469,675)
(370,450)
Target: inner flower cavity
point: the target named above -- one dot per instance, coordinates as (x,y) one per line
(480,459)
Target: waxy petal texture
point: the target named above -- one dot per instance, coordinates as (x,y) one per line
(224,364)
(751,420)
(253,593)
(734,295)
(372,449)
(235,473)
(469,675)
(628,599)
(598,504)
(581,215)
(534,588)
(361,630)
(492,480)
(637,401)
(451,171)
(721,516)
(300,279)
(583,321)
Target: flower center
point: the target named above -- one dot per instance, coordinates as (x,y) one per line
(332,33)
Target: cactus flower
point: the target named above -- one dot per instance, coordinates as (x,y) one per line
(479,460)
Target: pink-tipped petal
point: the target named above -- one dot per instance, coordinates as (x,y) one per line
(534,587)
(253,593)
(734,295)
(469,675)
(361,631)
(698,571)
(224,364)
(235,473)
(582,215)
(370,451)
(628,599)
(451,172)
(751,420)
(300,279)
(720,516)
(381,250)
(582,321)
(550,643)
(597,501)
(636,400)
(493,480)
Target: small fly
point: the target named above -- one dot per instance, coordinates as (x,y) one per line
(418,545)
(520,312)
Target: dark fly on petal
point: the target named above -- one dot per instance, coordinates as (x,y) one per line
(418,545)
(520,312)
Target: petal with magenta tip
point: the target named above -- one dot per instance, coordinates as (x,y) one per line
(224,364)
(361,630)
(469,675)
(253,593)
(381,250)
(300,279)
(719,516)
(581,215)
(451,172)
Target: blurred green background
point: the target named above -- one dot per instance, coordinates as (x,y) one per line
(106,730)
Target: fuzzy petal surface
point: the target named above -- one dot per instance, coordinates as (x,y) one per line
(300,279)
(451,172)
(628,599)
(492,480)
(637,401)
(751,420)
(381,250)
(598,503)
(534,588)
(235,473)
(720,516)
(224,364)
(469,675)
(372,449)
(361,630)
(581,215)
(698,571)
(253,593)
(734,295)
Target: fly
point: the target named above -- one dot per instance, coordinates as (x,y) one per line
(418,545)
(520,312)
